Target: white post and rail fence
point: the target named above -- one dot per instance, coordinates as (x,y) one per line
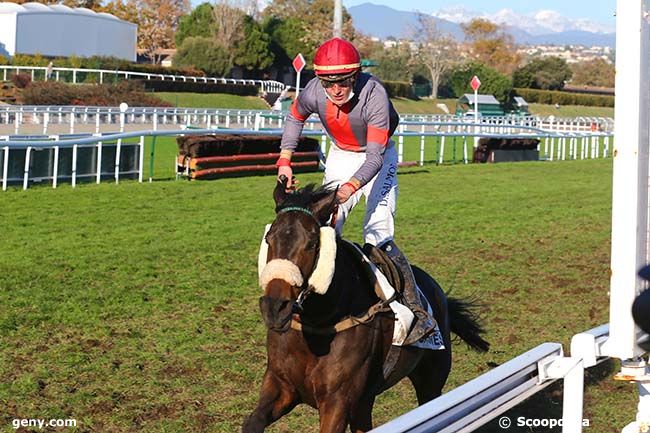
(79,75)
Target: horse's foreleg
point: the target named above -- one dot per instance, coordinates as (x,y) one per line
(276,399)
(333,416)
(361,418)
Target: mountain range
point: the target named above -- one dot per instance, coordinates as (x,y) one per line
(546,27)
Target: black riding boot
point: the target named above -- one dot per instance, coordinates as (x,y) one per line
(423,324)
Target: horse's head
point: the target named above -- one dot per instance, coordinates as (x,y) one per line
(300,251)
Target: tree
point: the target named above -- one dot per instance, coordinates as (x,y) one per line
(205,54)
(240,38)
(492,81)
(597,72)
(491,46)
(315,20)
(200,22)
(286,38)
(229,21)
(157,21)
(253,52)
(124,10)
(286,9)
(319,24)
(391,62)
(548,73)
(436,51)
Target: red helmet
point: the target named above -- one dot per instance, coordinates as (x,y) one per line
(337,57)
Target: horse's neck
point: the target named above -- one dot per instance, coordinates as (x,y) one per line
(350,292)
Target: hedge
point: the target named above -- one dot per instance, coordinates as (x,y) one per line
(399,89)
(190,86)
(56,93)
(101,62)
(564,98)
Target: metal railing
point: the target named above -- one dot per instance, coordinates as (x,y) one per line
(75,74)
(482,399)
(569,145)
(33,119)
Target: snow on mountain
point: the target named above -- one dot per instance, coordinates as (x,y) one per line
(541,27)
(538,23)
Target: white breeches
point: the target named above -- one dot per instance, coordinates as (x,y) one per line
(380,192)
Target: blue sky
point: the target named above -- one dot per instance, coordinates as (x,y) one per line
(601,11)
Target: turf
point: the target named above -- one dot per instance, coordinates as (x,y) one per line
(213,100)
(133,307)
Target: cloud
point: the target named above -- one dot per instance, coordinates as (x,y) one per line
(537,23)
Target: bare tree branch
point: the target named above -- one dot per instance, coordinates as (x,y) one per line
(434,49)
(229,23)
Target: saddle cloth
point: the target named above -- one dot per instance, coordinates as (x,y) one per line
(375,261)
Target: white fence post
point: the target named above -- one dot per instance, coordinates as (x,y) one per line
(630,179)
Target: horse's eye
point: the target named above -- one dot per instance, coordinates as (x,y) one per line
(311,245)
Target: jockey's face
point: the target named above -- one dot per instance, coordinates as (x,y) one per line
(339,91)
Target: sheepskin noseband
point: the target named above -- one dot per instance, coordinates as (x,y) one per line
(321,277)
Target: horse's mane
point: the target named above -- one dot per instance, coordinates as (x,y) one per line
(305,196)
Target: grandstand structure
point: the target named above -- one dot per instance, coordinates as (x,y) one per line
(59,31)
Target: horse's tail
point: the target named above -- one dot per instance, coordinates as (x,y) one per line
(465,323)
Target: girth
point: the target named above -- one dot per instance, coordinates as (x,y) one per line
(343,325)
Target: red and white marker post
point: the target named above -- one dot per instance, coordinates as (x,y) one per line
(475,83)
(299,64)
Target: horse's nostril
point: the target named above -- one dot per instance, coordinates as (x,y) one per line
(276,312)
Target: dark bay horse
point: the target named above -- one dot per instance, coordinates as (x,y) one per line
(339,373)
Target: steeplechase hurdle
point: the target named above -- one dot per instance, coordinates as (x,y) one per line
(214,156)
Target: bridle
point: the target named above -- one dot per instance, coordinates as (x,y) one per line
(307,288)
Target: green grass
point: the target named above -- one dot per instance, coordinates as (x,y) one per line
(133,307)
(213,100)
(571,111)
(423,106)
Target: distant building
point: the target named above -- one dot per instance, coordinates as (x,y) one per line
(60,31)
(487,105)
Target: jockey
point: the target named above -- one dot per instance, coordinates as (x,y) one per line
(357,114)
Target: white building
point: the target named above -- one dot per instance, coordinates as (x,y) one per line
(60,31)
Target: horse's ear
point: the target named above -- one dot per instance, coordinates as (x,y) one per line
(323,205)
(280,191)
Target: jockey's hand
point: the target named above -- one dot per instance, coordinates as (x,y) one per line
(345,191)
(285,170)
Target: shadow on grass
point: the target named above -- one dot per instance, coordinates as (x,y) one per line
(414,171)
(546,405)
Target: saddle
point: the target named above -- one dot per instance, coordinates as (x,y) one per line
(396,279)
(385,265)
